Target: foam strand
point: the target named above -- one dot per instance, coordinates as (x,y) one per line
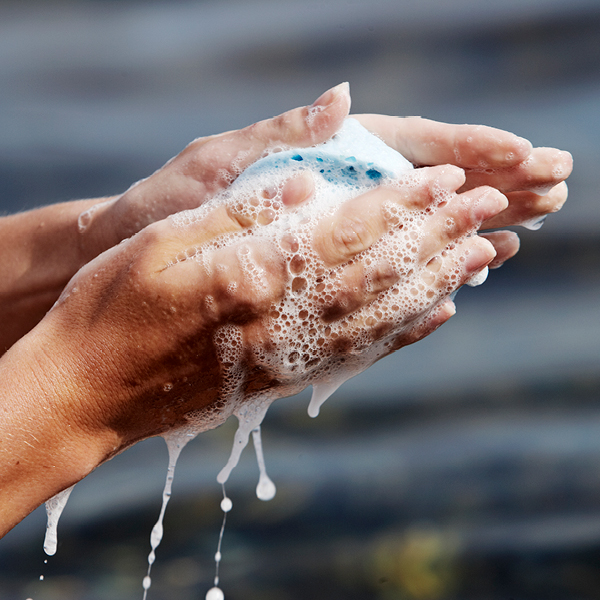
(265,490)
(250,416)
(216,593)
(320,393)
(175,444)
(54,509)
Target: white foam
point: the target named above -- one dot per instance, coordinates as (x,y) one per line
(250,415)
(298,347)
(265,490)
(226,506)
(534,224)
(215,593)
(176,441)
(321,391)
(54,509)
(478,278)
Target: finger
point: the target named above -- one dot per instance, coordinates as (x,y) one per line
(403,304)
(540,172)
(262,208)
(425,325)
(190,229)
(425,142)
(220,162)
(209,165)
(506,244)
(360,283)
(357,285)
(462,215)
(527,207)
(180,237)
(236,281)
(361,221)
(451,269)
(298,189)
(425,186)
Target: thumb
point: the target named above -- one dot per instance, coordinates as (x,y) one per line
(225,156)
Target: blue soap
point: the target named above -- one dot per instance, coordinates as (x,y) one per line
(353,157)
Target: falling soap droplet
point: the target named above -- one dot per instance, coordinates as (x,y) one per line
(226,505)
(265,490)
(176,441)
(215,593)
(249,416)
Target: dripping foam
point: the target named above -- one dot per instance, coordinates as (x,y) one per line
(176,441)
(54,509)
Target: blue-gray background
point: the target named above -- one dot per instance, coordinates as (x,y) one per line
(467,466)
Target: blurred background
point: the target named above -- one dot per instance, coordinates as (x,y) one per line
(464,467)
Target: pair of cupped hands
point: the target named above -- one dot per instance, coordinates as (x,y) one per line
(129,350)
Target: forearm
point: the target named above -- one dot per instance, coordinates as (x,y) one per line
(41,250)
(45,446)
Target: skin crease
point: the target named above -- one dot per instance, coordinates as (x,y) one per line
(89,379)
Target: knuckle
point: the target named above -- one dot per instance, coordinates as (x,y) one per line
(152,236)
(381,277)
(212,172)
(349,237)
(247,278)
(238,216)
(290,125)
(287,127)
(351,292)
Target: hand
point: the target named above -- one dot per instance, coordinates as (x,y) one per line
(135,344)
(531,178)
(207,166)
(151,330)
(44,248)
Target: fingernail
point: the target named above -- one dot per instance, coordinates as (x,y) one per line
(479,256)
(450,178)
(524,147)
(447,309)
(331,95)
(491,203)
(566,158)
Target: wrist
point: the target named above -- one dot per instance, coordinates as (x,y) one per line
(43,250)
(47,443)
(96,229)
